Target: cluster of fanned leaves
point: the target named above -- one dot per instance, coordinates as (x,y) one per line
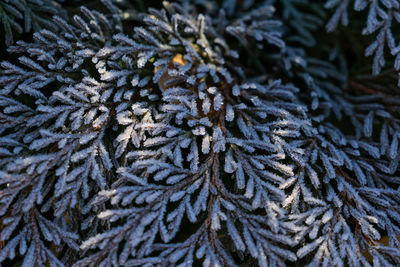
(214,133)
(18,16)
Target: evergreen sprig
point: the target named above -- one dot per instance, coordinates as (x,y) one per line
(219,133)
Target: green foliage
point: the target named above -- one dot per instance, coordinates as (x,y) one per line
(188,133)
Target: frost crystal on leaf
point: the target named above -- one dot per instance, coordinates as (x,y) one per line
(214,133)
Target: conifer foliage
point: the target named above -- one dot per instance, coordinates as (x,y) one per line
(24,15)
(213,133)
